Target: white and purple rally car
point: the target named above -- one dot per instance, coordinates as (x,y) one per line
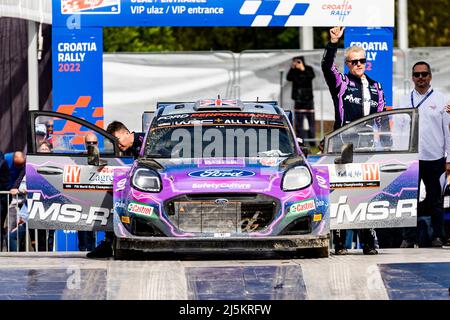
(211,175)
(223,174)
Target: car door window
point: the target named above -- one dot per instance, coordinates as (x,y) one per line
(64,136)
(384,133)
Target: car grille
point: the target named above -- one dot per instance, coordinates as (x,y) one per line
(242,213)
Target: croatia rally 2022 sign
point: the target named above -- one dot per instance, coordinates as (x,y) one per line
(379,45)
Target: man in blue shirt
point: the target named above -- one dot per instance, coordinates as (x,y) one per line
(16,165)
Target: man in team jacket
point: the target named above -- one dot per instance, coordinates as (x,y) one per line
(354,95)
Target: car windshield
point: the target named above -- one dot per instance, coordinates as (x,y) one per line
(218,135)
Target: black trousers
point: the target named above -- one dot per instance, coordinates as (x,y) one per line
(429,173)
(305,110)
(365,235)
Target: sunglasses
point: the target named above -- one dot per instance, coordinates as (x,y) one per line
(355,62)
(421,74)
(91,142)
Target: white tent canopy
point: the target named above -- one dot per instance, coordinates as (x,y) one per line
(35,10)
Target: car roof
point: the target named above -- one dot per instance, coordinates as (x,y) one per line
(222,105)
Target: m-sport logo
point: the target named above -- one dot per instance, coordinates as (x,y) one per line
(221,173)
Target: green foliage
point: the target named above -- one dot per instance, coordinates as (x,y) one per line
(429,24)
(139,39)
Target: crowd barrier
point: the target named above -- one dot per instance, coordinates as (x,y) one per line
(18,237)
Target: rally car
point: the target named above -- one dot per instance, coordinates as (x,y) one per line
(212,174)
(224,175)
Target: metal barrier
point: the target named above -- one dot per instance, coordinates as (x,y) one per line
(15,229)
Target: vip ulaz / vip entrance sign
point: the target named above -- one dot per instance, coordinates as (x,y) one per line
(77,43)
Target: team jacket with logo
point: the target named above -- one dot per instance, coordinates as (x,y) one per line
(347,91)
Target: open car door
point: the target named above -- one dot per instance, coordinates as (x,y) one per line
(373,167)
(70,183)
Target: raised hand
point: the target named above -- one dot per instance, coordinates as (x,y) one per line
(336,33)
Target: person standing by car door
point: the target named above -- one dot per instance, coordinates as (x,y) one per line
(130,144)
(434,148)
(354,95)
(301,76)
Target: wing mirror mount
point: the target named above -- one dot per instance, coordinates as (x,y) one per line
(346,154)
(93,156)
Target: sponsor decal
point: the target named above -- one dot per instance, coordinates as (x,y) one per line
(221,162)
(120,185)
(354,175)
(90,6)
(66,212)
(372,211)
(125,219)
(341,9)
(270,162)
(232,185)
(71,174)
(88,177)
(214,173)
(317,217)
(119,206)
(222,235)
(302,207)
(239,115)
(322,182)
(140,209)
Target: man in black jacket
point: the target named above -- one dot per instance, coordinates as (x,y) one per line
(301,76)
(354,95)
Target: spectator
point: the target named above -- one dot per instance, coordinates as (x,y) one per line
(354,95)
(86,239)
(45,237)
(16,164)
(41,133)
(45,147)
(18,217)
(434,149)
(130,143)
(301,76)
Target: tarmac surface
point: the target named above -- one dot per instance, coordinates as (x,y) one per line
(396,274)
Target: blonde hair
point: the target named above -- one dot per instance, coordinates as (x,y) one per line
(353,49)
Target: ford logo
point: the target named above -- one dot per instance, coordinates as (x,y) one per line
(214,173)
(221,201)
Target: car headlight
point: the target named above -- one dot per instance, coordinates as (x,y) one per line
(146,180)
(296,178)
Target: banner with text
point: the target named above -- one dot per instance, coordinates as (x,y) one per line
(379,46)
(78,73)
(216,13)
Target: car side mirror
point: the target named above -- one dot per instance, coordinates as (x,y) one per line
(346,154)
(93,155)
